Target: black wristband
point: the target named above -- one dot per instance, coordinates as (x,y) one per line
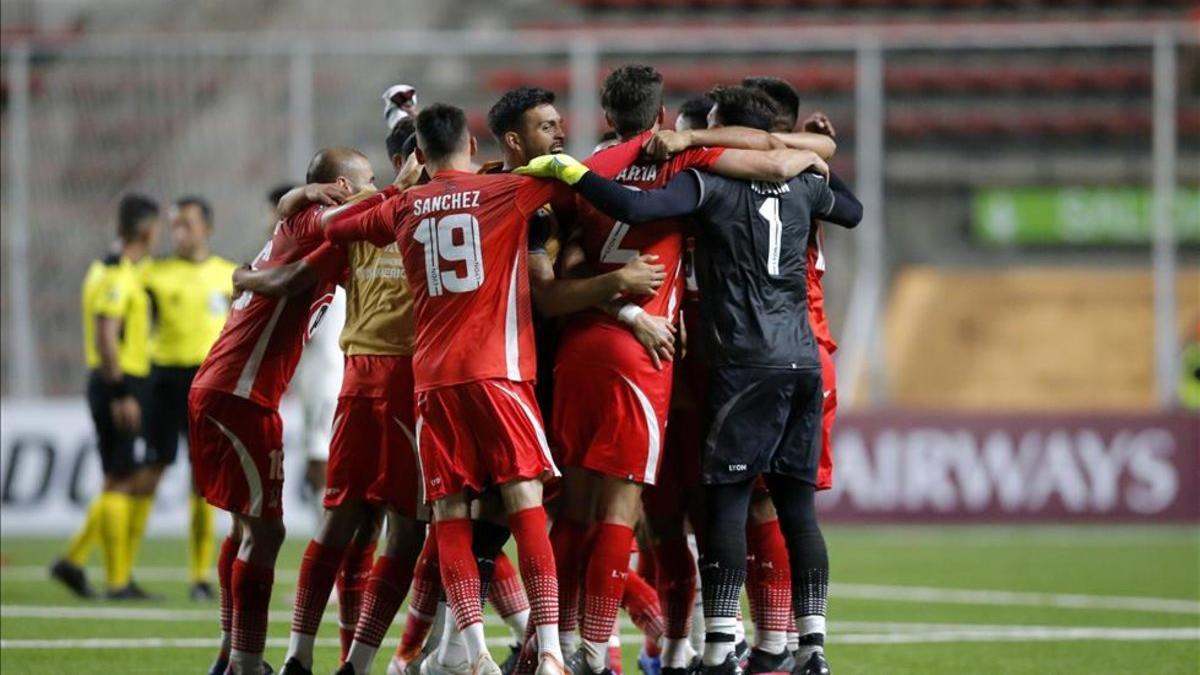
(118,389)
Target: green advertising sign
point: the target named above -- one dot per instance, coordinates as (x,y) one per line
(1072,215)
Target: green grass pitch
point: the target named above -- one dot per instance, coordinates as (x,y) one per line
(912,599)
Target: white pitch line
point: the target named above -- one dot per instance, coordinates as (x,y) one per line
(1024,634)
(68,612)
(892,593)
(985,597)
(1011,634)
(169,643)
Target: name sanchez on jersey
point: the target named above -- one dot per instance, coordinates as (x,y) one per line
(455,200)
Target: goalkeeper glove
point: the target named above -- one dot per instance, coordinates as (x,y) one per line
(561,167)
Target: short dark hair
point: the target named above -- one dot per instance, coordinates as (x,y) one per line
(632,96)
(395,140)
(695,111)
(441,130)
(200,203)
(132,213)
(783,94)
(329,163)
(744,107)
(276,193)
(506,114)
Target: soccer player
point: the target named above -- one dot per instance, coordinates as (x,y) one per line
(116,343)
(765,537)
(462,237)
(764,394)
(190,292)
(611,398)
(693,113)
(235,432)
(526,124)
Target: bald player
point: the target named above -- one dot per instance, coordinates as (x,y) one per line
(235,432)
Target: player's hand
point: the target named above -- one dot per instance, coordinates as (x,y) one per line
(238,277)
(126,414)
(329,194)
(559,166)
(657,335)
(409,174)
(641,276)
(664,144)
(819,123)
(817,164)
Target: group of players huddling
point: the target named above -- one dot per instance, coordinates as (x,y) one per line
(673,275)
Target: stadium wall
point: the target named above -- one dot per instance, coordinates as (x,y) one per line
(891,467)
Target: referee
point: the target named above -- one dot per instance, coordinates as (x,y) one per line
(116,334)
(189,297)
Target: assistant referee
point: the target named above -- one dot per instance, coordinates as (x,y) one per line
(116,334)
(189,294)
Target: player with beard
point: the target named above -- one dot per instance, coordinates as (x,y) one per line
(235,433)
(611,397)
(525,123)
(764,393)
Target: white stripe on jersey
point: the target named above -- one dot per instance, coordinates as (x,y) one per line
(654,449)
(253,480)
(533,422)
(245,383)
(512,338)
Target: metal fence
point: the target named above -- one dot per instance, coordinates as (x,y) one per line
(228,115)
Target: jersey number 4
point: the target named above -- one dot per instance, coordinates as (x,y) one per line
(452,239)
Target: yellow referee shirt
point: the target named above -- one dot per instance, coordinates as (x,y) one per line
(113,288)
(190,300)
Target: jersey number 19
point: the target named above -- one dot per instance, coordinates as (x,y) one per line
(453,239)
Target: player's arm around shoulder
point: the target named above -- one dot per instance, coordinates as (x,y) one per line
(830,202)
(773,166)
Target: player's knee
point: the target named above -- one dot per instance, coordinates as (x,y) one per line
(620,502)
(263,539)
(519,495)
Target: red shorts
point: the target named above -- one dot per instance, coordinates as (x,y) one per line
(479,434)
(236,449)
(373,452)
(828,414)
(610,405)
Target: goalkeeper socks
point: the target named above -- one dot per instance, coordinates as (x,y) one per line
(139,515)
(352,583)
(114,537)
(200,539)
(87,537)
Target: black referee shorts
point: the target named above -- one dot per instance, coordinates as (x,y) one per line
(763,421)
(116,447)
(166,414)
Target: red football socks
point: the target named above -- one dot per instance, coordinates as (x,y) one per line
(422,606)
(607,570)
(351,583)
(386,589)
(506,593)
(318,572)
(460,574)
(768,584)
(569,540)
(676,584)
(251,600)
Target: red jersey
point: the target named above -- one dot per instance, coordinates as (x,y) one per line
(609,244)
(816,291)
(463,238)
(257,351)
